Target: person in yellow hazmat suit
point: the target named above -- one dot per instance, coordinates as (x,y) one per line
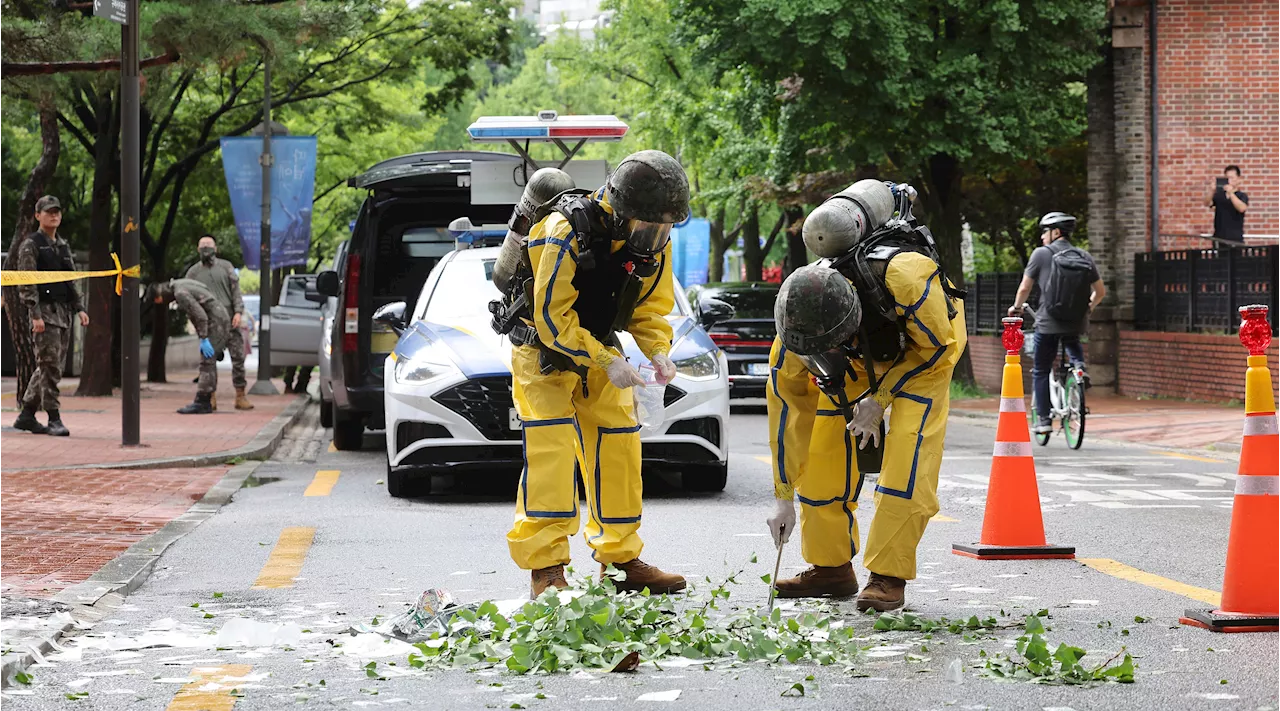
(599,263)
(878,298)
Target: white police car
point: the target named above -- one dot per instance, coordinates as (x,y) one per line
(448,388)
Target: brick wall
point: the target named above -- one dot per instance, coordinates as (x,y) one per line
(1219,66)
(987,355)
(1184,365)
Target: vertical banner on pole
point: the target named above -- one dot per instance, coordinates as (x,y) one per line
(691,250)
(293,183)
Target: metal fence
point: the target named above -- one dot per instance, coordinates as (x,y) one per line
(990,296)
(1201,289)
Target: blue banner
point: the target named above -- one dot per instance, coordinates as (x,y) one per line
(293,184)
(691,251)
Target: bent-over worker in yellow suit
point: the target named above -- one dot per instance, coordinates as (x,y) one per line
(814,459)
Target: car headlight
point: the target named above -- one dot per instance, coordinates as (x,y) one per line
(424,365)
(700,367)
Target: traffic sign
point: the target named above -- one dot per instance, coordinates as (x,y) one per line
(114,10)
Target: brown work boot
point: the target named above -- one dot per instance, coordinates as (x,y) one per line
(242,402)
(821,581)
(543,578)
(882,593)
(213,402)
(641,575)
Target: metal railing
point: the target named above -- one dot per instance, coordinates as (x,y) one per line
(990,296)
(1201,289)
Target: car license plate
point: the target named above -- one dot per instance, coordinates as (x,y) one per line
(757,368)
(513,420)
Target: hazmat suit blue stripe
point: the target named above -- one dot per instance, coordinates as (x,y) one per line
(546,304)
(915,458)
(524,475)
(782,419)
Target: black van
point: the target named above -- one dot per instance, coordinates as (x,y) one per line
(399,236)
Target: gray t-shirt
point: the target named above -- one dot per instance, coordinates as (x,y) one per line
(1038,267)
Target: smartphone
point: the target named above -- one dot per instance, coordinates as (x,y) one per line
(1222,183)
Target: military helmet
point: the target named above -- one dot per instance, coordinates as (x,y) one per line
(816,310)
(650,186)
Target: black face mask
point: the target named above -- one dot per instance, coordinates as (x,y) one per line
(207,254)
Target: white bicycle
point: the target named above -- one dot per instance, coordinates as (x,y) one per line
(1067,384)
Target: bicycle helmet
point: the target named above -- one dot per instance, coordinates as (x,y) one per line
(1058,220)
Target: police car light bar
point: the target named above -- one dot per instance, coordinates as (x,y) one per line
(547,126)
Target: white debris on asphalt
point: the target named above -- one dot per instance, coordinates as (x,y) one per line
(660,696)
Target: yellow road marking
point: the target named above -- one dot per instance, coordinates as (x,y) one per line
(944,519)
(332,447)
(8,395)
(191,698)
(285,562)
(1192,457)
(1125,572)
(323,483)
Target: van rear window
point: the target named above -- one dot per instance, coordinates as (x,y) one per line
(426,242)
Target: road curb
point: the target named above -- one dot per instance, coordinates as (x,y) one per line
(260,447)
(105,589)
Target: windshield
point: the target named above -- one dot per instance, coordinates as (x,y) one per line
(466,287)
(755,303)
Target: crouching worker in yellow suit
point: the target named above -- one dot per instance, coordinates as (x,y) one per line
(599,263)
(881,297)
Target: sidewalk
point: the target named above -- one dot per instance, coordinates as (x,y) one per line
(1162,423)
(95,426)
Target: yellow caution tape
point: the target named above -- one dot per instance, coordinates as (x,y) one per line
(19,278)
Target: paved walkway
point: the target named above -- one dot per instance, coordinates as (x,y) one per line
(95,425)
(57,528)
(1164,423)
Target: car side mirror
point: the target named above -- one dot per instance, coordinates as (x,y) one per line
(326,284)
(314,295)
(391,314)
(712,311)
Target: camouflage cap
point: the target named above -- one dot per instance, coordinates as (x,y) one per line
(816,310)
(48,202)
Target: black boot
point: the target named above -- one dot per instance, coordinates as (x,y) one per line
(56,428)
(27,421)
(201,406)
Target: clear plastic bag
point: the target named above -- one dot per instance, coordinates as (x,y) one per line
(649,400)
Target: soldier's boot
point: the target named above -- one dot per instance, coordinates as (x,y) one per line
(200,406)
(213,401)
(56,428)
(641,575)
(883,593)
(543,578)
(27,421)
(242,402)
(821,581)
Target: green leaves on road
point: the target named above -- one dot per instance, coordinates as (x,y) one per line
(890,622)
(1035,663)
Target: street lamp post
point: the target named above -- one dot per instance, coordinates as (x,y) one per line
(264,386)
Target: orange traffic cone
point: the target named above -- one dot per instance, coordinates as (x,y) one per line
(1012,528)
(1250,592)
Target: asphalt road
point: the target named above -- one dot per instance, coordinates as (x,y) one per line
(1161,513)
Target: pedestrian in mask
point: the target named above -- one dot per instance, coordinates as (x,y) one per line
(221,278)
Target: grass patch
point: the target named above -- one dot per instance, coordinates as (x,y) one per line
(967,391)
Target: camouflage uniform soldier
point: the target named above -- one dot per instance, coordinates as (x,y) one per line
(213,326)
(52,308)
(221,278)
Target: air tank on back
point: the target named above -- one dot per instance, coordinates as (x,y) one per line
(544,184)
(848,217)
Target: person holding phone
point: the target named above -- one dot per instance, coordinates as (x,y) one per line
(1229,204)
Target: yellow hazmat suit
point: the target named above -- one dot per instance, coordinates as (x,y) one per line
(566,424)
(813,453)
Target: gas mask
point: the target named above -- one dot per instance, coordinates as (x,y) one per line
(645,238)
(207,254)
(828,366)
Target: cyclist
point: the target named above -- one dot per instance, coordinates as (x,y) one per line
(1069,289)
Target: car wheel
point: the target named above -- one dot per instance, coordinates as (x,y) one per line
(707,477)
(326,413)
(348,431)
(402,484)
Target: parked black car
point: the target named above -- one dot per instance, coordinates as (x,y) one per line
(747,336)
(399,236)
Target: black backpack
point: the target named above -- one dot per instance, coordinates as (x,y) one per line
(1066,294)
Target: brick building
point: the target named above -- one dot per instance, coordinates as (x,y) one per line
(1217,91)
